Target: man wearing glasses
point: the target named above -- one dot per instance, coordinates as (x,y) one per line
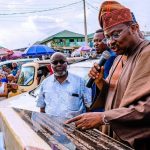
(126,91)
(63,94)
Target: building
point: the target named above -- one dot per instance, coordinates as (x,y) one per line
(90,39)
(64,40)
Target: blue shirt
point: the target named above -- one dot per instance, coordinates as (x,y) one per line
(66,99)
(4,80)
(109,63)
(107,67)
(14,71)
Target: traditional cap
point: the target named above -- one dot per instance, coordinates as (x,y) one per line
(113,13)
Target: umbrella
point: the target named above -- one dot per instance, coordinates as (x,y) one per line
(15,55)
(84,48)
(38,50)
(5,51)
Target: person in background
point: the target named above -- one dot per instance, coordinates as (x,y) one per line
(3,78)
(3,88)
(14,90)
(11,78)
(42,74)
(15,69)
(126,91)
(17,75)
(8,70)
(63,94)
(4,70)
(100,46)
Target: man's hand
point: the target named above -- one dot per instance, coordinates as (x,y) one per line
(87,120)
(42,110)
(97,73)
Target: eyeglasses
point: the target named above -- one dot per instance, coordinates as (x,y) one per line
(104,41)
(55,62)
(116,35)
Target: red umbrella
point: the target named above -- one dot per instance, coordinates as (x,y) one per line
(5,51)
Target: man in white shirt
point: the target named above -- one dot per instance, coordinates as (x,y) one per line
(63,94)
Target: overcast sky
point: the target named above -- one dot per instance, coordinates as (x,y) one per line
(23,22)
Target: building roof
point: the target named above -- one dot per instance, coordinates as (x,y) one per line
(90,36)
(2,47)
(64,34)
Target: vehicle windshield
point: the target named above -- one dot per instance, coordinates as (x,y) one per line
(80,71)
(26,76)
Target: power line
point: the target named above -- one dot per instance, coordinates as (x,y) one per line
(28,7)
(95,8)
(60,12)
(37,11)
(95,2)
(24,4)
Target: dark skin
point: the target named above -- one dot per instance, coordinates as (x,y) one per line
(60,70)
(95,119)
(87,120)
(129,36)
(98,44)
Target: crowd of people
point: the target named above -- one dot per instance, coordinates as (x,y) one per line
(8,81)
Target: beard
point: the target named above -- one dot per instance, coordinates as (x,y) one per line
(57,74)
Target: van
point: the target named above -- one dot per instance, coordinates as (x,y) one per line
(32,74)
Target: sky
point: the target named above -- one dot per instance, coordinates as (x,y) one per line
(24,22)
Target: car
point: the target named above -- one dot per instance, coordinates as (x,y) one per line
(31,74)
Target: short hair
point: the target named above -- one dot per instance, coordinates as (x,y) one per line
(4,66)
(99,30)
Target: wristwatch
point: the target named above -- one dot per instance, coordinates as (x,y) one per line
(105,121)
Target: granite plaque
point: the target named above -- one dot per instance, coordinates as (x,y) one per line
(66,137)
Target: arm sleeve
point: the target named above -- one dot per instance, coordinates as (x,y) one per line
(139,82)
(136,96)
(131,124)
(131,115)
(40,98)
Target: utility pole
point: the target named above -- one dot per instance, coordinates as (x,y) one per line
(85,23)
